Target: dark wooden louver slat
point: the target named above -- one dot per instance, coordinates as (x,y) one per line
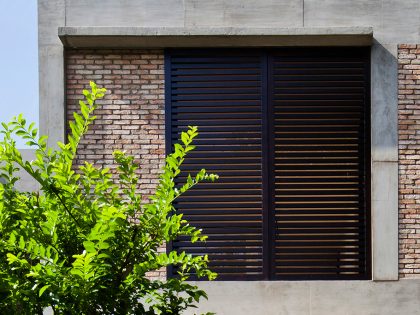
(320,150)
(287,130)
(220,92)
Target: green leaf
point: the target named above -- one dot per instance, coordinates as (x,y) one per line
(11,258)
(97,213)
(89,246)
(184,138)
(21,242)
(42,290)
(84,109)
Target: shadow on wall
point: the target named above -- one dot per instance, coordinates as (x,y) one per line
(384,108)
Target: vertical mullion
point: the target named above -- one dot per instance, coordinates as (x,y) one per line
(168,129)
(267,166)
(271,165)
(265,173)
(367,168)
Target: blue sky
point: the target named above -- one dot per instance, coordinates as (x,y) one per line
(18,60)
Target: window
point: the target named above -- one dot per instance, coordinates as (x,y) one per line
(287,130)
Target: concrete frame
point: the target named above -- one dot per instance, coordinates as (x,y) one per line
(283,22)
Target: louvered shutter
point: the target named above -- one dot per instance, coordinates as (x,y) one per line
(220,92)
(287,130)
(320,107)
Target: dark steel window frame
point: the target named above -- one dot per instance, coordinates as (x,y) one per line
(268,259)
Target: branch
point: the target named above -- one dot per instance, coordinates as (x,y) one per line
(55,191)
(127,257)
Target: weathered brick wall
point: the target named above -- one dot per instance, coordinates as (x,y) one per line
(409,159)
(130,117)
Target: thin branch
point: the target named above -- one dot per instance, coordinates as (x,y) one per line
(127,257)
(54,190)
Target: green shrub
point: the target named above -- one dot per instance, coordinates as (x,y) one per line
(84,244)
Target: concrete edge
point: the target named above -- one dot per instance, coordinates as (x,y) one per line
(214,31)
(160,37)
(309,297)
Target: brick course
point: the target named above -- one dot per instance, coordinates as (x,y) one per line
(409,159)
(130,117)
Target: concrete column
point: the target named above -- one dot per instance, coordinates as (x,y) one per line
(51,15)
(384,132)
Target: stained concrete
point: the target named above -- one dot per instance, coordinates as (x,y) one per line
(51,15)
(384,202)
(384,109)
(162,37)
(338,13)
(400,22)
(311,298)
(249,13)
(125,13)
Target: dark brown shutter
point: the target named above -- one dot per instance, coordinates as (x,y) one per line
(320,111)
(220,92)
(287,130)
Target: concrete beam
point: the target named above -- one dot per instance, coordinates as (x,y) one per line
(161,37)
(310,297)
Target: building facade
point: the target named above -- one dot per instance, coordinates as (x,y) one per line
(297,83)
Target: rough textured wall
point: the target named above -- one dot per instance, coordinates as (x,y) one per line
(409,159)
(130,117)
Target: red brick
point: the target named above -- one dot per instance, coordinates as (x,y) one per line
(409,160)
(131,116)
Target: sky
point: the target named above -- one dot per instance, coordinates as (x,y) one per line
(19,60)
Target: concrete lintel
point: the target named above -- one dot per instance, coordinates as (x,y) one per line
(160,37)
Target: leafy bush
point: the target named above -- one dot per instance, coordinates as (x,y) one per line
(84,244)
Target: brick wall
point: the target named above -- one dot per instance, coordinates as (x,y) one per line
(409,159)
(130,117)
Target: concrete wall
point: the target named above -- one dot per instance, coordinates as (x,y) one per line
(26,182)
(311,298)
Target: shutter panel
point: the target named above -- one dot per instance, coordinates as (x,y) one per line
(220,91)
(287,130)
(320,111)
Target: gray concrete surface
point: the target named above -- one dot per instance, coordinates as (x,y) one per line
(26,182)
(213,31)
(384,202)
(51,15)
(392,21)
(311,298)
(161,37)
(384,157)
